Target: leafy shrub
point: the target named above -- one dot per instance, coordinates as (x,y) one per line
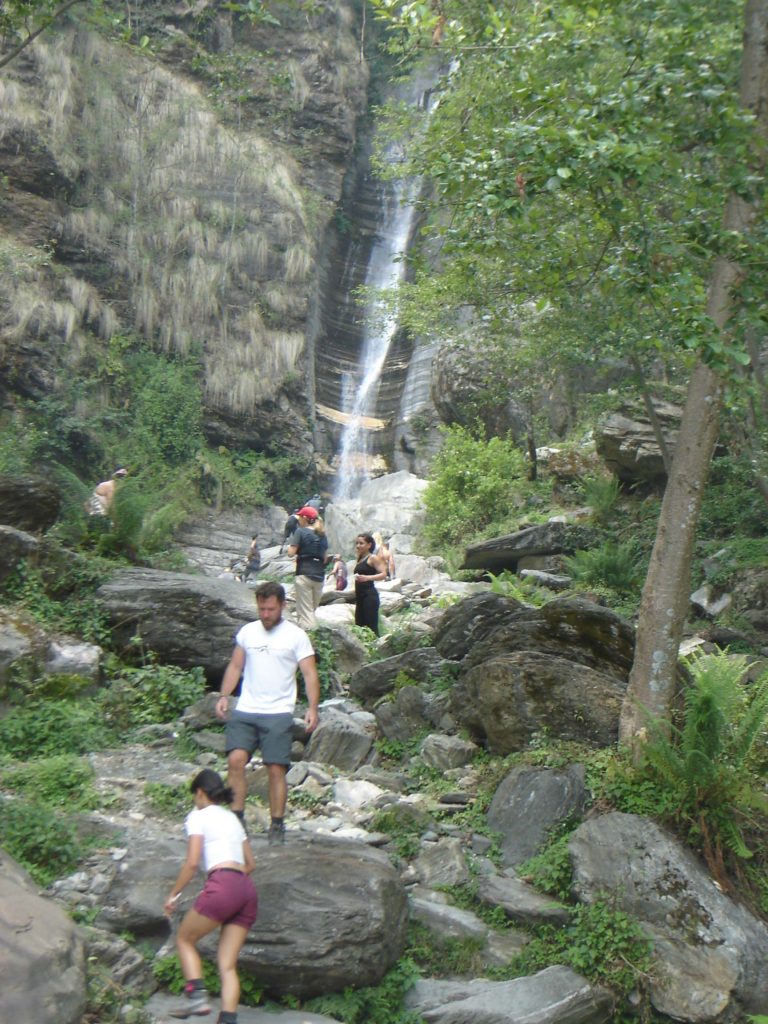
(151,694)
(403,825)
(171,801)
(325,654)
(63,780)
(509,584)
(168,973)
(706,759)
(600,941)
(380,1004)
(45,843)
(731,503)
(613,565)
(601,493)
(471,485)
(44,728)
(550,871)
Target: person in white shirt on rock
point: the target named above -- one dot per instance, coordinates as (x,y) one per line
(267,654)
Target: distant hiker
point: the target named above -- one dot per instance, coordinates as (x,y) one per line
(215,838)
(252,561)
(310,547)
(339,572)
(315,502)
(385,552)
(369,568)
(266,655)
(291,525)
(100,502)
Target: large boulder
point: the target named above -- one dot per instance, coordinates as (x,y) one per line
(29,503)
(211,542)
(22,642)
(42,955)
(552,538)
(185,620)
(709,952)
(332,912)
(556,995)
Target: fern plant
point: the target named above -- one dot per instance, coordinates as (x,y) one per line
(613,565)
(706,758)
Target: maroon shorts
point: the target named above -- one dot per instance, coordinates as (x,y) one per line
(229,897)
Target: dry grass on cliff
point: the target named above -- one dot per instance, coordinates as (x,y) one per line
(202,226)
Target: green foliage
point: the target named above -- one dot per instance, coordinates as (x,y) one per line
(172,801)
(44,842)
(44,728)
(447,957)
(550,871)
(61,780)
(706,759)
(382,1004)
(600,941)
(522,589)
(601,493)
(614,565)
(403,825)
(169,415)
(472,484)
(167,971)
(325,654)
(150,694)
(731,504)
(75,610)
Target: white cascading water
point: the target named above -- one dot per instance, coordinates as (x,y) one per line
(385,271)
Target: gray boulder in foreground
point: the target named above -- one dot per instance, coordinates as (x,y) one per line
(42,954)
(709,953)
(556,995)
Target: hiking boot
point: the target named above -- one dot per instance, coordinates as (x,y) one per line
(195,1005)
(276,835)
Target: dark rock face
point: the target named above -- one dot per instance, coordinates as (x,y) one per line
(15,546)
(467,623)
(511,697)
(547,539)
(186,620)
(225,250)
(29,503)
(562,668)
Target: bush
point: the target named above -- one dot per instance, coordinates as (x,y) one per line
(63,780)
(472,485)
(151,694)
(44,728)
(45,843)
(613,565)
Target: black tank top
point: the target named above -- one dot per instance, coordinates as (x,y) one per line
(364,568)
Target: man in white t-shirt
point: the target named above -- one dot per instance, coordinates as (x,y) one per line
(266,656)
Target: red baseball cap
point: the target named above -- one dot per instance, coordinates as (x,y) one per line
(308,513)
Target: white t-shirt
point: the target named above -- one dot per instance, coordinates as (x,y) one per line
(222,833)
(271,659)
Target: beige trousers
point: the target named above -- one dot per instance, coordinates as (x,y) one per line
(307,592)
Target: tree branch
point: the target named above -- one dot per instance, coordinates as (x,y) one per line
(33,35)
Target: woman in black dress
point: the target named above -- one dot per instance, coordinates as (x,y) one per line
(370,567)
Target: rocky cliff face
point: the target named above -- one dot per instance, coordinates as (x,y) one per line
(177,191)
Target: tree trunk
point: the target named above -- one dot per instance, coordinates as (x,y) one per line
(665,598)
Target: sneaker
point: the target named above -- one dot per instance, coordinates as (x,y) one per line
(276,835)
(195,1005)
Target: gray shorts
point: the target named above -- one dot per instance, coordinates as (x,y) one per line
(272,734)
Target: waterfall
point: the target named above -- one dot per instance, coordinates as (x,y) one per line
(385,269)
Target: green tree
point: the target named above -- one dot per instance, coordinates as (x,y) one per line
(24,20)
(582,156)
